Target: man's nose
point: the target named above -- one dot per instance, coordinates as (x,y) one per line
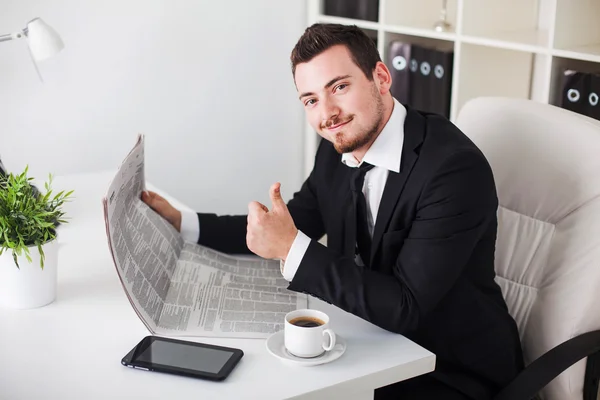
(329,110)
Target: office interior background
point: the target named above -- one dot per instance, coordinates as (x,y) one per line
(209,82)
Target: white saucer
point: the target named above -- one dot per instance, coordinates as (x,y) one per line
(275,346)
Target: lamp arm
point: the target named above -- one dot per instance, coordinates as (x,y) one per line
(11,36)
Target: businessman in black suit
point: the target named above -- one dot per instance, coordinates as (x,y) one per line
(408,204)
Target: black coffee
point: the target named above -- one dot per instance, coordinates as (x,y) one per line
(307,322)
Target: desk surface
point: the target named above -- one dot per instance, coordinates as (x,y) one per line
(71,349)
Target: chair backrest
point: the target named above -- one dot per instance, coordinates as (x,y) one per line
(546,163)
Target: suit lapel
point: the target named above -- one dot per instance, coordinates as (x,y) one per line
(414,126)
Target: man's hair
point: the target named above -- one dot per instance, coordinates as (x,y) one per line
(319,37)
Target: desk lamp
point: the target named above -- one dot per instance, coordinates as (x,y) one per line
(42,40)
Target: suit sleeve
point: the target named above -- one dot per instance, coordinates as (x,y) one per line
(225,233)
(454,210)
(304,205)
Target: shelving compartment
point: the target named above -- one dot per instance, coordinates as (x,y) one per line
(575,85)
(419,17)
(488,71)
(422,71)
(513,24)
(364,10)
(577,33)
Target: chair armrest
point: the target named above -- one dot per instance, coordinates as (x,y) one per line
(551,364)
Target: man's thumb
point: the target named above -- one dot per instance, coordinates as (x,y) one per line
(276,199)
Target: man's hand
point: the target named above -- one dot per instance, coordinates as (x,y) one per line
(163,208)
(270,234)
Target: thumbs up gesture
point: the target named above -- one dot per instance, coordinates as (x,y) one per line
(270,234)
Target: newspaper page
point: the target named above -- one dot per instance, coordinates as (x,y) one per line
(179,288)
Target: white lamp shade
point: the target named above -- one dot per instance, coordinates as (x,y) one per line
(43,41)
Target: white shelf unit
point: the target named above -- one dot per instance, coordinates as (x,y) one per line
(514,48)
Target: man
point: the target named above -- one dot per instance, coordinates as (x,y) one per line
(410,249)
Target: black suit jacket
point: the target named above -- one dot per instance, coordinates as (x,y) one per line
(431,275)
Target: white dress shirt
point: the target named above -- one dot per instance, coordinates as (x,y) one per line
(385,154)
(190,226)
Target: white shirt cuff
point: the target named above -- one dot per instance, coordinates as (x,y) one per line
(294,257)
(190,226)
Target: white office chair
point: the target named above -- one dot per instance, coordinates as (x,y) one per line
(546,163)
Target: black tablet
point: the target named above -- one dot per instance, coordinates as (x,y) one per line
(182,357)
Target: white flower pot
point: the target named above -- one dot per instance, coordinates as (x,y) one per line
(29,286)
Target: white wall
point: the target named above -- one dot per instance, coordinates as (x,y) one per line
(208,82)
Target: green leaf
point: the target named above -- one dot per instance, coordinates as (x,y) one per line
(28,220)
(15,259)
(42,255)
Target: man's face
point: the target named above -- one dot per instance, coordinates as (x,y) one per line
(341,104)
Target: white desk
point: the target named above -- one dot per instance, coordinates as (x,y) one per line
(72,348)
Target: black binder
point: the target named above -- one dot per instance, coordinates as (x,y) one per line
(431,79)
(418,68)
(367,10)
(594,96)
(398,64)
(440,81)
(575,91)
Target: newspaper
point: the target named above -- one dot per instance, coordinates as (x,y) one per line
(179,288)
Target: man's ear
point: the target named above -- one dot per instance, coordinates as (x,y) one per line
(382,77)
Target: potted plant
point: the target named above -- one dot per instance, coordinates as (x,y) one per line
(28,242)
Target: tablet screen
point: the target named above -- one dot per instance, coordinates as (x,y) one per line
(184,356)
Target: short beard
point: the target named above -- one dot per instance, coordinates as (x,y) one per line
(365,136)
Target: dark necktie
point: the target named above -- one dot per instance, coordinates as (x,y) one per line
(359,204)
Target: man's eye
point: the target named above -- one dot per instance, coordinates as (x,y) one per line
(309,102)
(341,87)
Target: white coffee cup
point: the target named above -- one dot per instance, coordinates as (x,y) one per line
(307,333)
